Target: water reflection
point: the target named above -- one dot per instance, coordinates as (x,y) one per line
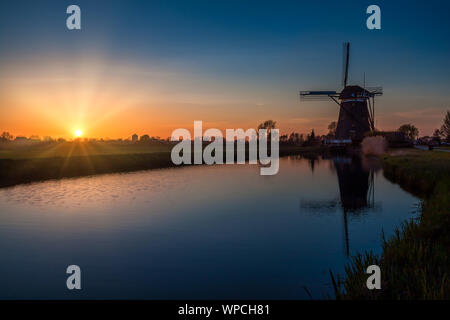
(355,176)
(218,232)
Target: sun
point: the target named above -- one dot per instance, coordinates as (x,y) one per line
(78,133)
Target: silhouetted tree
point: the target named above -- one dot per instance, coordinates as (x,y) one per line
(6,136)
(312,136)
(437,134)
(268,125)
(145,138)
(332,128)
(295,138)
(291,138)
(409,130)
(311,139)
(445,129)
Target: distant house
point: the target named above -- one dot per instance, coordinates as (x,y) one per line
(134,138)
(22,141)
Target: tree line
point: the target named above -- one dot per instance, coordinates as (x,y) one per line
(294,138)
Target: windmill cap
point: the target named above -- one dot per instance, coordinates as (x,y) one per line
(353,92)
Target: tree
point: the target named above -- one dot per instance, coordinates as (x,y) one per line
(445,129)
(409,130)
(332,128)
(6,136)
(311,139)
(312,136)
(268,125)
(299,138)
(145,138)
(295,138)
(437,134)
(284,138)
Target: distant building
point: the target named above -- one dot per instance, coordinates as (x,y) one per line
(21,141)
(134,138)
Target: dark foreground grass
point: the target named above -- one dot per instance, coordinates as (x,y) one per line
(415,262)
(17,171)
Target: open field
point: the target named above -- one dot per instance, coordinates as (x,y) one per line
(44,161)
(77,149)
(415,263)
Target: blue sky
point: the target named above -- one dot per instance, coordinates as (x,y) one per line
(254,55)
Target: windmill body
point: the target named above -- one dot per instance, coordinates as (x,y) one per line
(354,116)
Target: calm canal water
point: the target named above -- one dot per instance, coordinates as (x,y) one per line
(206,232)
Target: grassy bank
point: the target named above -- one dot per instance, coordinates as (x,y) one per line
(22,164)
(415,262)
(17,171)
(44,161)
(77,149)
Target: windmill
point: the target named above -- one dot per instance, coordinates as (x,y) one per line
(356,105)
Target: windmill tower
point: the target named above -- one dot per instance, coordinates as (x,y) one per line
(356,105)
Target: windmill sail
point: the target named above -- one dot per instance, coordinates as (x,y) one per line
(318,95)
(345,63)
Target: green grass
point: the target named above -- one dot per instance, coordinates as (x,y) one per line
(80,149)
(77,149)
(415,262)
(44,161)
(17,171)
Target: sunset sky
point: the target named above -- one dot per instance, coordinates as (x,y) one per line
(154,66)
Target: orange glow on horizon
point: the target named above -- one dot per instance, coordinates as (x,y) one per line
(115,99)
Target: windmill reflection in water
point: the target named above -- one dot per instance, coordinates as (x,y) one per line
(356,190)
